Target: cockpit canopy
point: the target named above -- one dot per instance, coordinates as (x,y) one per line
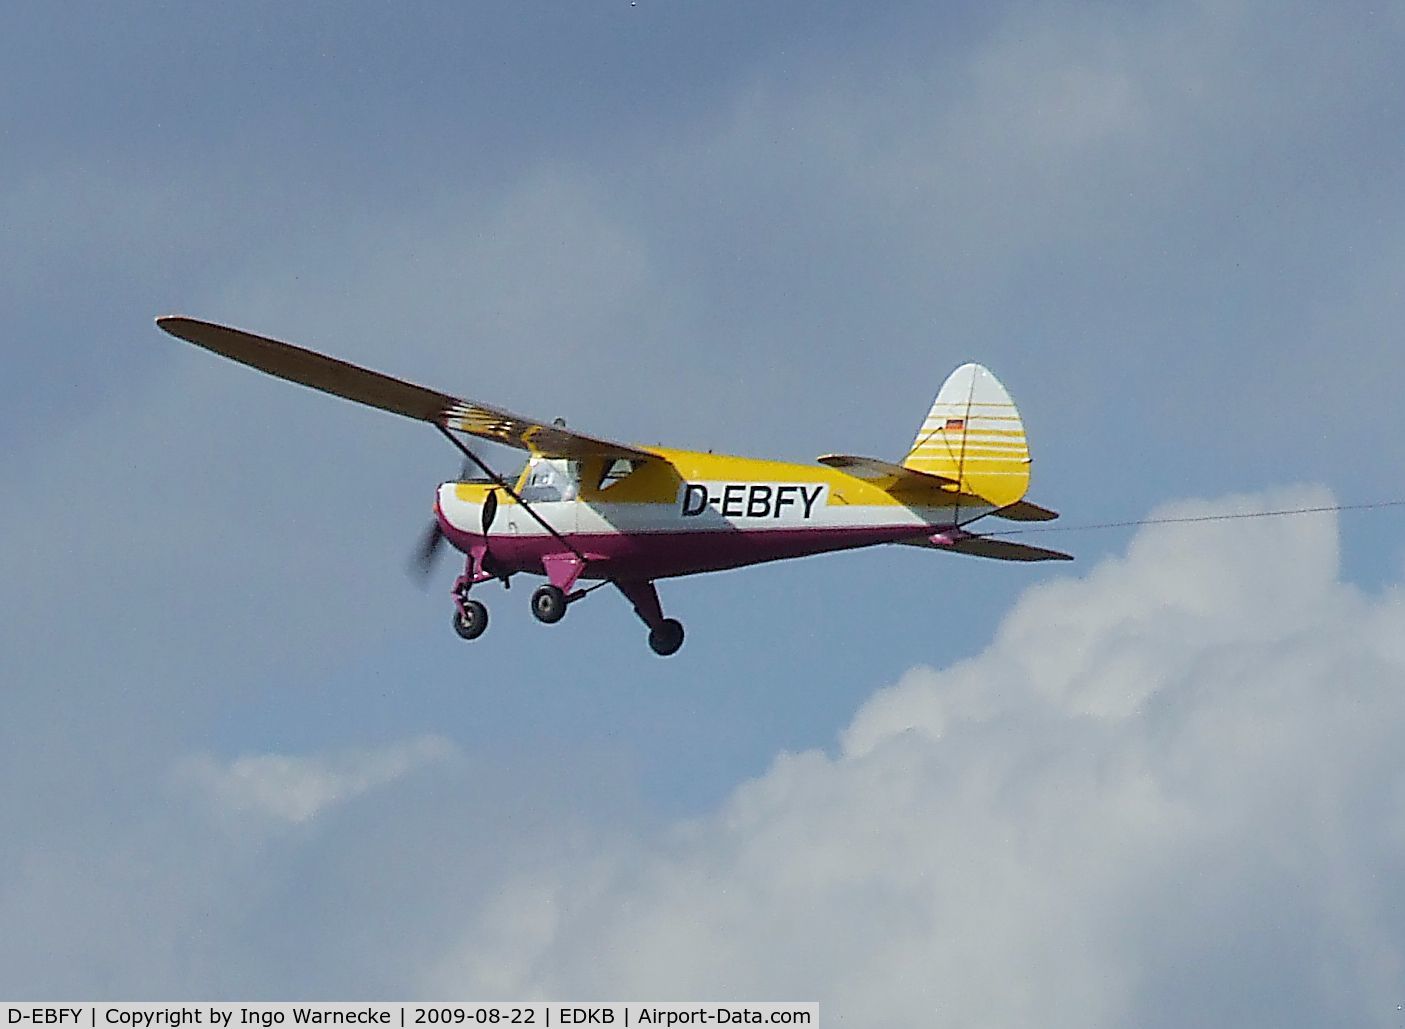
(550,478)
(559,478)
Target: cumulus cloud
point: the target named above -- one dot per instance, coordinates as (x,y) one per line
(1168,792)
(1164,792)
(297,789)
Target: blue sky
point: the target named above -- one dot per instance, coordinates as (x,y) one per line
(1176,234)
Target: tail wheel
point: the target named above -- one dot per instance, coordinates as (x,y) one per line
(666,637)
(549,604)
(472,620)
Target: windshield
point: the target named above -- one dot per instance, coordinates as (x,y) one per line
(550,479)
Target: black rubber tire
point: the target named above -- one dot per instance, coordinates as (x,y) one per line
(549,604)
(472,621)
(666,637)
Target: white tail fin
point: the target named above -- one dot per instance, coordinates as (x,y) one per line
(974,435)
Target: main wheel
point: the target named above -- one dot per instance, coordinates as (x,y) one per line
(666,637)
(472,620)
(549,604)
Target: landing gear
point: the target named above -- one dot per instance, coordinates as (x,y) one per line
(470,616)
(549,604)
(665,634)
(471,620)
(666,637)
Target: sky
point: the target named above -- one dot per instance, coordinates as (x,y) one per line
(244,756)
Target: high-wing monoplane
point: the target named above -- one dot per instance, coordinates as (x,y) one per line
(586,510)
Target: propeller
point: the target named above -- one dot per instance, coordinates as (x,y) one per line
(432,542)
(490,510)
(428,550)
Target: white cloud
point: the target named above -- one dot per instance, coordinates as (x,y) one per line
(298,789)
(1168,792)
(1169,780)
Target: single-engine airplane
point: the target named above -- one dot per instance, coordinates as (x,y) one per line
(586,509)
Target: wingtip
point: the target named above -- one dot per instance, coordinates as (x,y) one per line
(182,326)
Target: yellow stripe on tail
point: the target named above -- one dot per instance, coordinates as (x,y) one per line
(974,435)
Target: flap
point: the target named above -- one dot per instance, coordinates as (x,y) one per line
(342,379)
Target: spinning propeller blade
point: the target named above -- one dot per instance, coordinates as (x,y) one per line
(428,550)
(432,543)
(490,510)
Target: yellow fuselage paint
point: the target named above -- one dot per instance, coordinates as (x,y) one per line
(802,496)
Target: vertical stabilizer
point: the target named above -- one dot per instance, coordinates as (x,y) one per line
(973,434)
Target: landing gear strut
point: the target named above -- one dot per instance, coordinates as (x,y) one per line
(665,634)
(470,616)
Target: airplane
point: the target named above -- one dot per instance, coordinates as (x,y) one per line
(591,510)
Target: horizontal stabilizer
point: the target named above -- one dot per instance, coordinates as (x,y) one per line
(1024,511)
(884,474)
(961,542)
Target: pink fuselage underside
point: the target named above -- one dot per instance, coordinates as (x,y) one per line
(644,556)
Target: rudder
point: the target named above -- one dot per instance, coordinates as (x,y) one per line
(973,434)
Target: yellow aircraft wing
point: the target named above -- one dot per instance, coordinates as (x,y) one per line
(364,386)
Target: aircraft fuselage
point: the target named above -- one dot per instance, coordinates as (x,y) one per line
(687,513)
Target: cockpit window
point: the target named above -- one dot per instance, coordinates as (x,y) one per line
(551,479)
(470,473)
(617,471)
